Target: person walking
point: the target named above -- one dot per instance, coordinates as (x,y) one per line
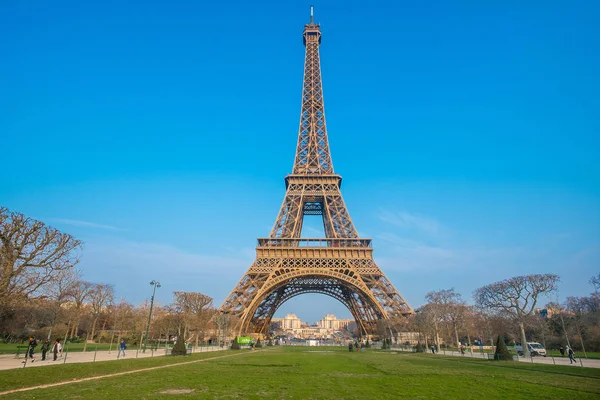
(122,348)
(56,349)
(571,355)
(32,345)
(562,351)
(45,348)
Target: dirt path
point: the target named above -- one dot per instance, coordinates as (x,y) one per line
(25,389)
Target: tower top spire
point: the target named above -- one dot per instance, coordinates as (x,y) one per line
(312,14)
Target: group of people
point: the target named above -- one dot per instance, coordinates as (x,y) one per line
(569,352)
(356,346)
(56,349)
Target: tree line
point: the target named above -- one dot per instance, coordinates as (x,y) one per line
(520,309)
(43,295)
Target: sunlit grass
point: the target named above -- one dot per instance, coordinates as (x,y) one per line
(315,373)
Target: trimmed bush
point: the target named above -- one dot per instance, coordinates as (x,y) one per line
(367,344)
(234,344)
(502,352)
(419,348)
(179,348)
(258,343)
(270,343)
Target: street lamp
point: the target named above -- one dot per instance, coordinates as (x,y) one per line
(155,284)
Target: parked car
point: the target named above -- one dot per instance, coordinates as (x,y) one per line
(535,349)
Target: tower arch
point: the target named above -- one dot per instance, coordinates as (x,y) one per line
(348,290)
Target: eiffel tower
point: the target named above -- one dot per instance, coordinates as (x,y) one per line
(341,264)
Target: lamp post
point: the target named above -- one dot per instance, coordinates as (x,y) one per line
(155,284)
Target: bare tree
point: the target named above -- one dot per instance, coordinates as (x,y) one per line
(80,292)
(31,254)
(517,297)
(59,291)
(120,313)
(447,305)
(431,318)
(223,322)
(595,282)
(423,321)
(196,310)
(101,296)
(577,306)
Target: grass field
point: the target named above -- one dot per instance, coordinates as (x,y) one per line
(310,373)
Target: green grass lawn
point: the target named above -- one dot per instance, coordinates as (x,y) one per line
(312,373)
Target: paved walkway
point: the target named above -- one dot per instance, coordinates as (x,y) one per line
(10,362)
(581,362)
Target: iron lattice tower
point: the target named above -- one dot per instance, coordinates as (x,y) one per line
(340,265)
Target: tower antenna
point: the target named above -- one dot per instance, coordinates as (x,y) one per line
(312,14)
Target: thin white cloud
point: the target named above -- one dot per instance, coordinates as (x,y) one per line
(124,263)
(85,224)
(408,221)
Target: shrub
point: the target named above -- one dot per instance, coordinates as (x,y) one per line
(502,352)
(367,344)
(234,344)
(258,343)
(420,348)
(179,348)
(270,343)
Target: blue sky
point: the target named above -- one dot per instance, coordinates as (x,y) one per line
(160,132)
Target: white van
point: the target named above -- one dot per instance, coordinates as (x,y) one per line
(535,349)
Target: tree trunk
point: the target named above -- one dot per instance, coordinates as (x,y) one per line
(67,333)
(456,335)
(437,337)
(93,331)
(581,339)
(565,330)
(104,325)
(112,337)
(75,329)
(524,340)
(469,343)
(543,334)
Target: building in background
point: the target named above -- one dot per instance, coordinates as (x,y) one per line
(330,322)
(326,328)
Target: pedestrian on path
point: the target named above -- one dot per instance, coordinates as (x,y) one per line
(45,348)
(571,355)
(56,349)
(31,349)
(122,348)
